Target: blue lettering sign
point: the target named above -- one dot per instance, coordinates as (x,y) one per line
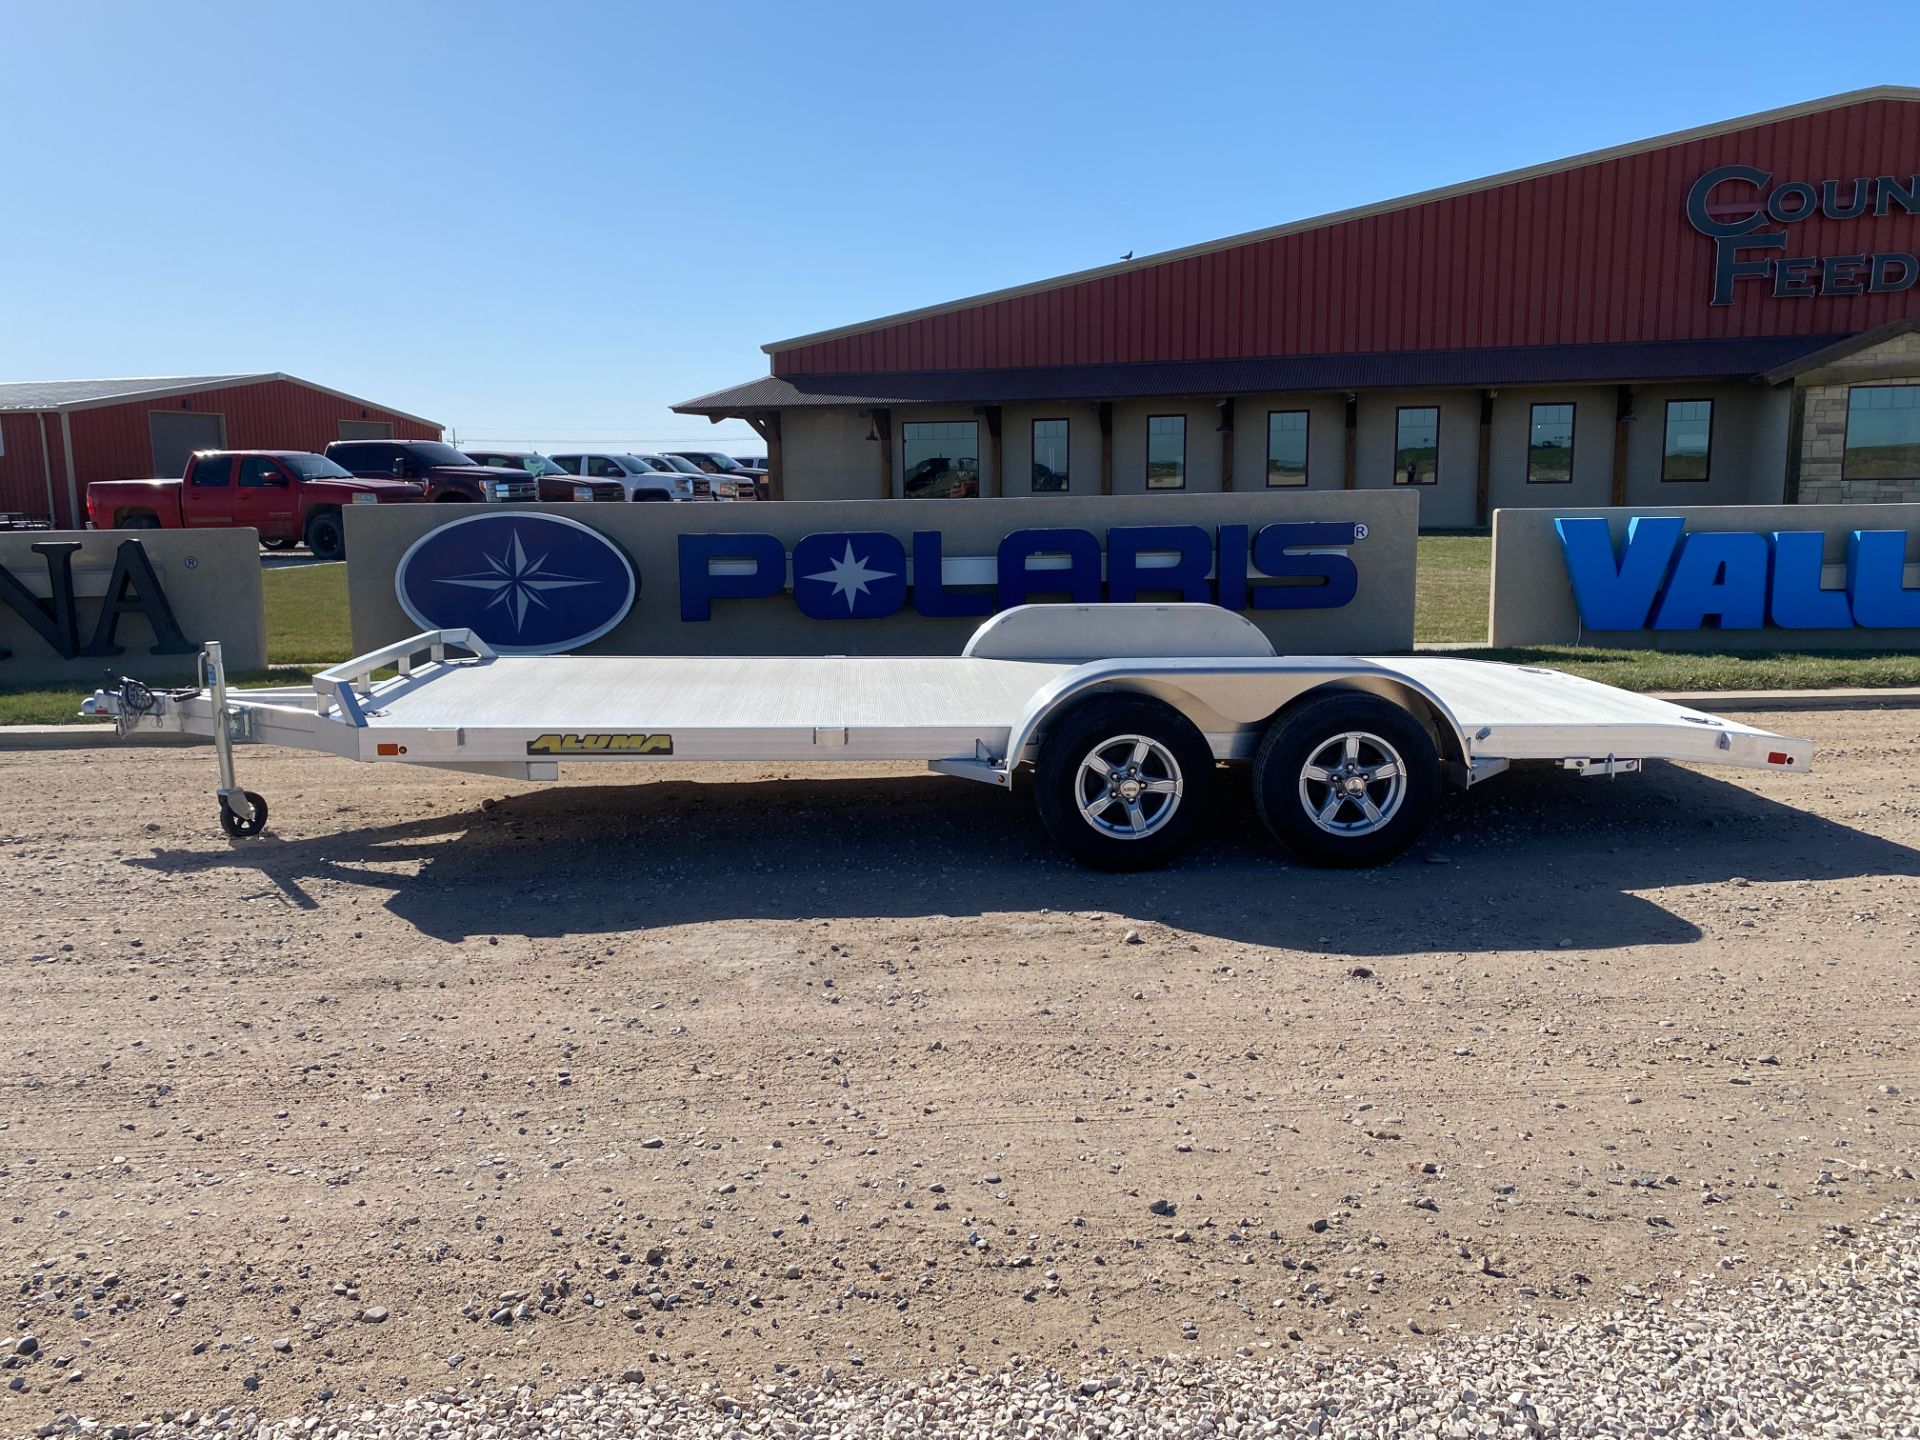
(1721,573)
(860,576)
(1795,600)
(1876,566)
(700,587)
(1127,579)
(1020,581)
(1317,580)
(865,575)
(1735,579)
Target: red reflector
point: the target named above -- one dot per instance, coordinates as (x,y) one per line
(386,749)
(1779,757)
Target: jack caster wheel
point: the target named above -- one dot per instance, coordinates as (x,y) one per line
(238,829)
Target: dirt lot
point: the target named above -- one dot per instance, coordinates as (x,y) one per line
(850,1070)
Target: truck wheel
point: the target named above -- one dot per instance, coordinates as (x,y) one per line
(139,522)
(281,544)
(1346,780)
(327,536)
(1122,782)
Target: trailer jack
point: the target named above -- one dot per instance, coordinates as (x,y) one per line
(242,812)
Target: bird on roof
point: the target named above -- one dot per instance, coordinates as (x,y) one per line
(1127,256)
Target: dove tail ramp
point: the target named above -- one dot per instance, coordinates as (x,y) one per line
(1125,713)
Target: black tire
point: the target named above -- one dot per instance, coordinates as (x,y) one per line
(139,522)
(1304,815)
(279,544)
(1086,819)
(327,535)
(238,829)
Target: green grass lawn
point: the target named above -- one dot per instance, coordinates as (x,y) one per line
(307,614)
(307,630)
(1455,575)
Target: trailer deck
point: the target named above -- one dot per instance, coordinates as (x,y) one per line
(1191,680)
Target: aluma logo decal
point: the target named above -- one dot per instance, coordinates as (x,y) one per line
(527,584)
(598,744)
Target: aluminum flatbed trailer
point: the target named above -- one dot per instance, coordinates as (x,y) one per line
(1125,713)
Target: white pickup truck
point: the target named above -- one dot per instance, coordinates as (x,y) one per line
(1127,714)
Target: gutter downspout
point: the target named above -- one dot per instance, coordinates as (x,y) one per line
(73,489)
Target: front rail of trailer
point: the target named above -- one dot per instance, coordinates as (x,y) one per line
(446,698)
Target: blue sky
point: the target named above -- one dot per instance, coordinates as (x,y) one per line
(546,223)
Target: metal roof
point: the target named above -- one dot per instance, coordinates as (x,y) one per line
(74,394)
(1638,360)
(1338,217)
(60,395)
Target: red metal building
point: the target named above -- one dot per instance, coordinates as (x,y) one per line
(58,436)
(1652,315)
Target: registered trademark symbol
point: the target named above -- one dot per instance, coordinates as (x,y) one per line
(192,562)
(1359,532)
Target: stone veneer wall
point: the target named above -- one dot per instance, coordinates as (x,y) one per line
(1823,431)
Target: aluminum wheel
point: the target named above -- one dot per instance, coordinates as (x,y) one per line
(1128,787)
(1353,783)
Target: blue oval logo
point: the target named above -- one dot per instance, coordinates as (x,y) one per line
(526,583)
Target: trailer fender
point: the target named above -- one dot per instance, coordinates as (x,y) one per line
(1234,703)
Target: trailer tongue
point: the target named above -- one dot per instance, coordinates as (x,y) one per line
(1124,712)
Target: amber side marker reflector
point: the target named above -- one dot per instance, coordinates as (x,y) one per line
(388,748)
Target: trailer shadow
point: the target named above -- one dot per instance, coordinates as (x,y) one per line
(1534,860)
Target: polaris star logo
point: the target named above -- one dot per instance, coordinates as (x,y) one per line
(527,584)
(517,582)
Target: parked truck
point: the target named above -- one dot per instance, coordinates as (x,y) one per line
(287,495)
(447,473)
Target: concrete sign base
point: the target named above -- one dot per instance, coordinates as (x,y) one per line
(1318,572)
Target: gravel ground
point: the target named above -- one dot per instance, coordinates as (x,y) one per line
(1830,1349)
(734,1081)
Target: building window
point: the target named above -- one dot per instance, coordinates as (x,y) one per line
(1550,445)
(1689,443)
(1416,445)
(1166,452)
(1286,447)
(1049,456)
(1883,433)
(942,459)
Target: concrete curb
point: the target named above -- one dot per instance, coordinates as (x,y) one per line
(72,737)
(1892,697)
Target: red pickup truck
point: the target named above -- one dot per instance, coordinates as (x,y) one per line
(287,495)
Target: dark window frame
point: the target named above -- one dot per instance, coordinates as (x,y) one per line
(906,469)
(1847,436)
(1398,411)
(1306,456)
(1146,466)
(1033,449)
(1666,432)
(1573,437)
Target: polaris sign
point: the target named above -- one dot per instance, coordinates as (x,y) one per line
(526,583)
(872,574)
(1666,579)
